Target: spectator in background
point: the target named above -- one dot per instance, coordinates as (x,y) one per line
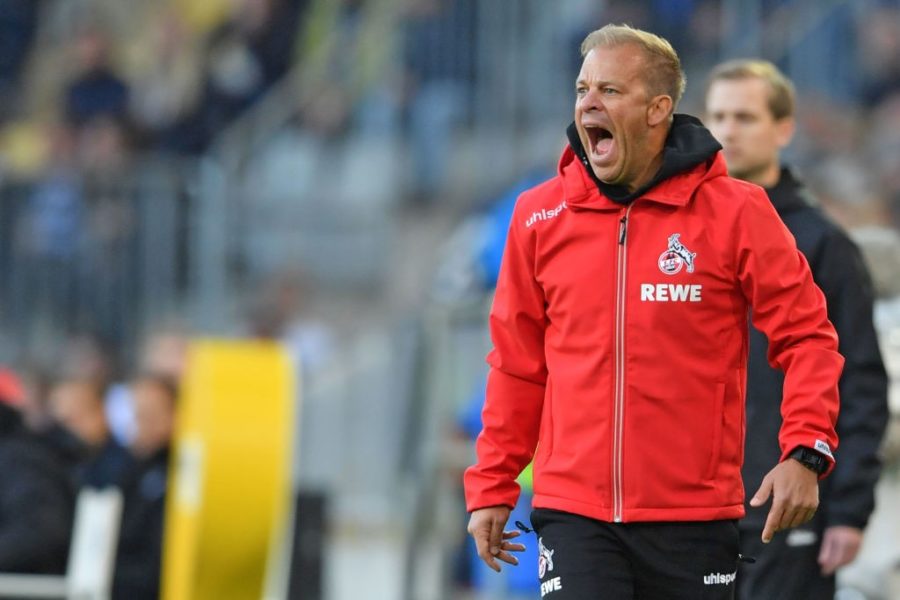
(18,20)
(880,53)
(884,151)
(163,353)
(139,555)
(242,59)
(281,311)
(96,90)
(110,247)
(470,261)
(35,387)
(440,65)
(77,405)
(750,110)
(36,496)
(47,236)
(165,78)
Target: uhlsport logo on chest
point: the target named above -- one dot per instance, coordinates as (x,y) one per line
(545,214)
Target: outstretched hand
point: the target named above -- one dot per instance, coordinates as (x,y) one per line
(486,527)
(795,497)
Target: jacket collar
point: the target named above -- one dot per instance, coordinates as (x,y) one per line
(690,154)
(582,193)
(789,195)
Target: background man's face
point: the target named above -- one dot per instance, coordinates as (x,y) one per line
(738,115)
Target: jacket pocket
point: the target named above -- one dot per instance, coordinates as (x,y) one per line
(718,424)
(545,436)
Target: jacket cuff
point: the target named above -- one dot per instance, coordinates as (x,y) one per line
(818,445)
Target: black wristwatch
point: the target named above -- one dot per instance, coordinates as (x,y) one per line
(810,459)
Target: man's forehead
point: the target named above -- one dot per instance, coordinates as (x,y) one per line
(622,61)
(746,92)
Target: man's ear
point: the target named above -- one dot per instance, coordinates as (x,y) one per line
(784,131)
(659,110)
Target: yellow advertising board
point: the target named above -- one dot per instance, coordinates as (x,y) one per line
(230,490)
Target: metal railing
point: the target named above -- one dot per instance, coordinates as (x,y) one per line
(103,254)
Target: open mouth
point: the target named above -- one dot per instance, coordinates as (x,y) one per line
(600,140)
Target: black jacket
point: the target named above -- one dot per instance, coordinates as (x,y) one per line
(37,501)
(847,495)
(139,555)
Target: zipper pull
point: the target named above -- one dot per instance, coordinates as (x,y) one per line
(623,223)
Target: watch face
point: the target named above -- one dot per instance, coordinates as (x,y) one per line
(811,460)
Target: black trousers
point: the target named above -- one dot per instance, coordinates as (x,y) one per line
(585,559)
(786,568)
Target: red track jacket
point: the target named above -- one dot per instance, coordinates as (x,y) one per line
(620,347)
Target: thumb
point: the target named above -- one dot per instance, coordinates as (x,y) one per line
(496,535)
(763,493)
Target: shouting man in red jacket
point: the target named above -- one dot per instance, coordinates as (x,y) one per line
(620,326)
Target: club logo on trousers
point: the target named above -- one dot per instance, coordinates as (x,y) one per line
(676,257)
(545,560)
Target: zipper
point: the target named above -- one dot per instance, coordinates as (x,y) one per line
(619,400)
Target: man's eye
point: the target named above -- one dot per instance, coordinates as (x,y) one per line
(580,91)
(609,90)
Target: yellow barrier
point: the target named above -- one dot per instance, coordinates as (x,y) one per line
(230,484)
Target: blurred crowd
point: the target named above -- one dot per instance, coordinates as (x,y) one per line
(79,428)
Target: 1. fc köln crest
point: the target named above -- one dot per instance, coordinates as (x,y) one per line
(676,257)
(545,559)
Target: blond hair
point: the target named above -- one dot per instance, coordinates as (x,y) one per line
(664,75)
(781,90)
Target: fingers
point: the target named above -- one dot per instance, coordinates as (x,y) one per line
(482,544)
(799,516)
(763,493)
(480,527)
(507,547)
(496,536)
(773,519)
(793,515)
(510,547)
(795,497)
(507,558)
(840,545)
(828,556)
(486,528)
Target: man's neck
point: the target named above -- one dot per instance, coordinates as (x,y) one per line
(766,178)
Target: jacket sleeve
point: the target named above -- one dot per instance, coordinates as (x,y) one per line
(849,495)
(790,309)
(516,379)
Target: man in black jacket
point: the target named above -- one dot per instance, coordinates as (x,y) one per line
(36,497)
(750,107)
(139,555)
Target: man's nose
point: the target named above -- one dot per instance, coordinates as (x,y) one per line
(591,100)
(724,129)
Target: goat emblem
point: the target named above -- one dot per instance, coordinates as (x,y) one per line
(676,257)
